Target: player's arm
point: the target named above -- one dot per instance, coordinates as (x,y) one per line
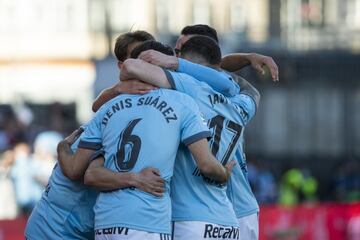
(73,165)
(137,68)
(131,87)
(103,179)
(218,80)
(154,75)
(149,73)
(236,61)
(194,135)
(105,95)
(207,163)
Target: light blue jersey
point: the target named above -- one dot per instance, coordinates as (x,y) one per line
(139,131)
(65,210)
(196,198)
(239,190)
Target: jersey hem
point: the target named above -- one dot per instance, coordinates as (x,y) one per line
(214,221)
(196,137)
(134,227)
(244,214)
(90,145)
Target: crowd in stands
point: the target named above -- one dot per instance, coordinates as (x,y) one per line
(27,155)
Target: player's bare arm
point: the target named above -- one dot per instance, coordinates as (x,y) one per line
(73,165)
(232,62)
(208,164)
(152,74)
(105,95)
(131,87)
(236,61)
(162,60)
(103,179)
(149,73)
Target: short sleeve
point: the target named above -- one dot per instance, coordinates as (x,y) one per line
(194,127)
(97,154)
(91,138)
(245,105)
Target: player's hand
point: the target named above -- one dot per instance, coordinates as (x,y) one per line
(229,167)
(159,59)
(134,86)
(73,136)
(149,180)
(259,62)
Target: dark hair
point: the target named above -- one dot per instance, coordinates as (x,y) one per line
(124,40)
(200,29)
(204,47)
(151,44)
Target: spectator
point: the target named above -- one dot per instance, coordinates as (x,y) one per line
(22,175)
(44,158)
(266,187)
(262,182)
(289,187)
(297,186)
(347,181)
(8,208)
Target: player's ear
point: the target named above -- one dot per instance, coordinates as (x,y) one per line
(120,63)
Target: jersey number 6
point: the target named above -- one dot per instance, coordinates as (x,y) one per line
(128,148)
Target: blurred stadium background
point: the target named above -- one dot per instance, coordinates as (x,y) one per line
(302,147)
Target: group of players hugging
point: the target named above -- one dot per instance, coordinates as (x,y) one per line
(163,156)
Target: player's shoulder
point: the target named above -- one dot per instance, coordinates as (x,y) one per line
(177,95)
(179,76)
(180,98)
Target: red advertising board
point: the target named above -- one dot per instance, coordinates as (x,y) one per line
(311,222)
(303,222)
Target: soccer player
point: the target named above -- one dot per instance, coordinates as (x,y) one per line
(201,209)
(239,190)
(240,193)
(124,45)
(136,131)
(65,210)
(232,62)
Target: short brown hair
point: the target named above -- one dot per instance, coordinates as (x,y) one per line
(154,45)
(124,40)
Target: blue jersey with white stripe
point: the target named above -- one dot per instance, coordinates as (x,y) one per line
(196,198)
(65,210)
(139,131)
